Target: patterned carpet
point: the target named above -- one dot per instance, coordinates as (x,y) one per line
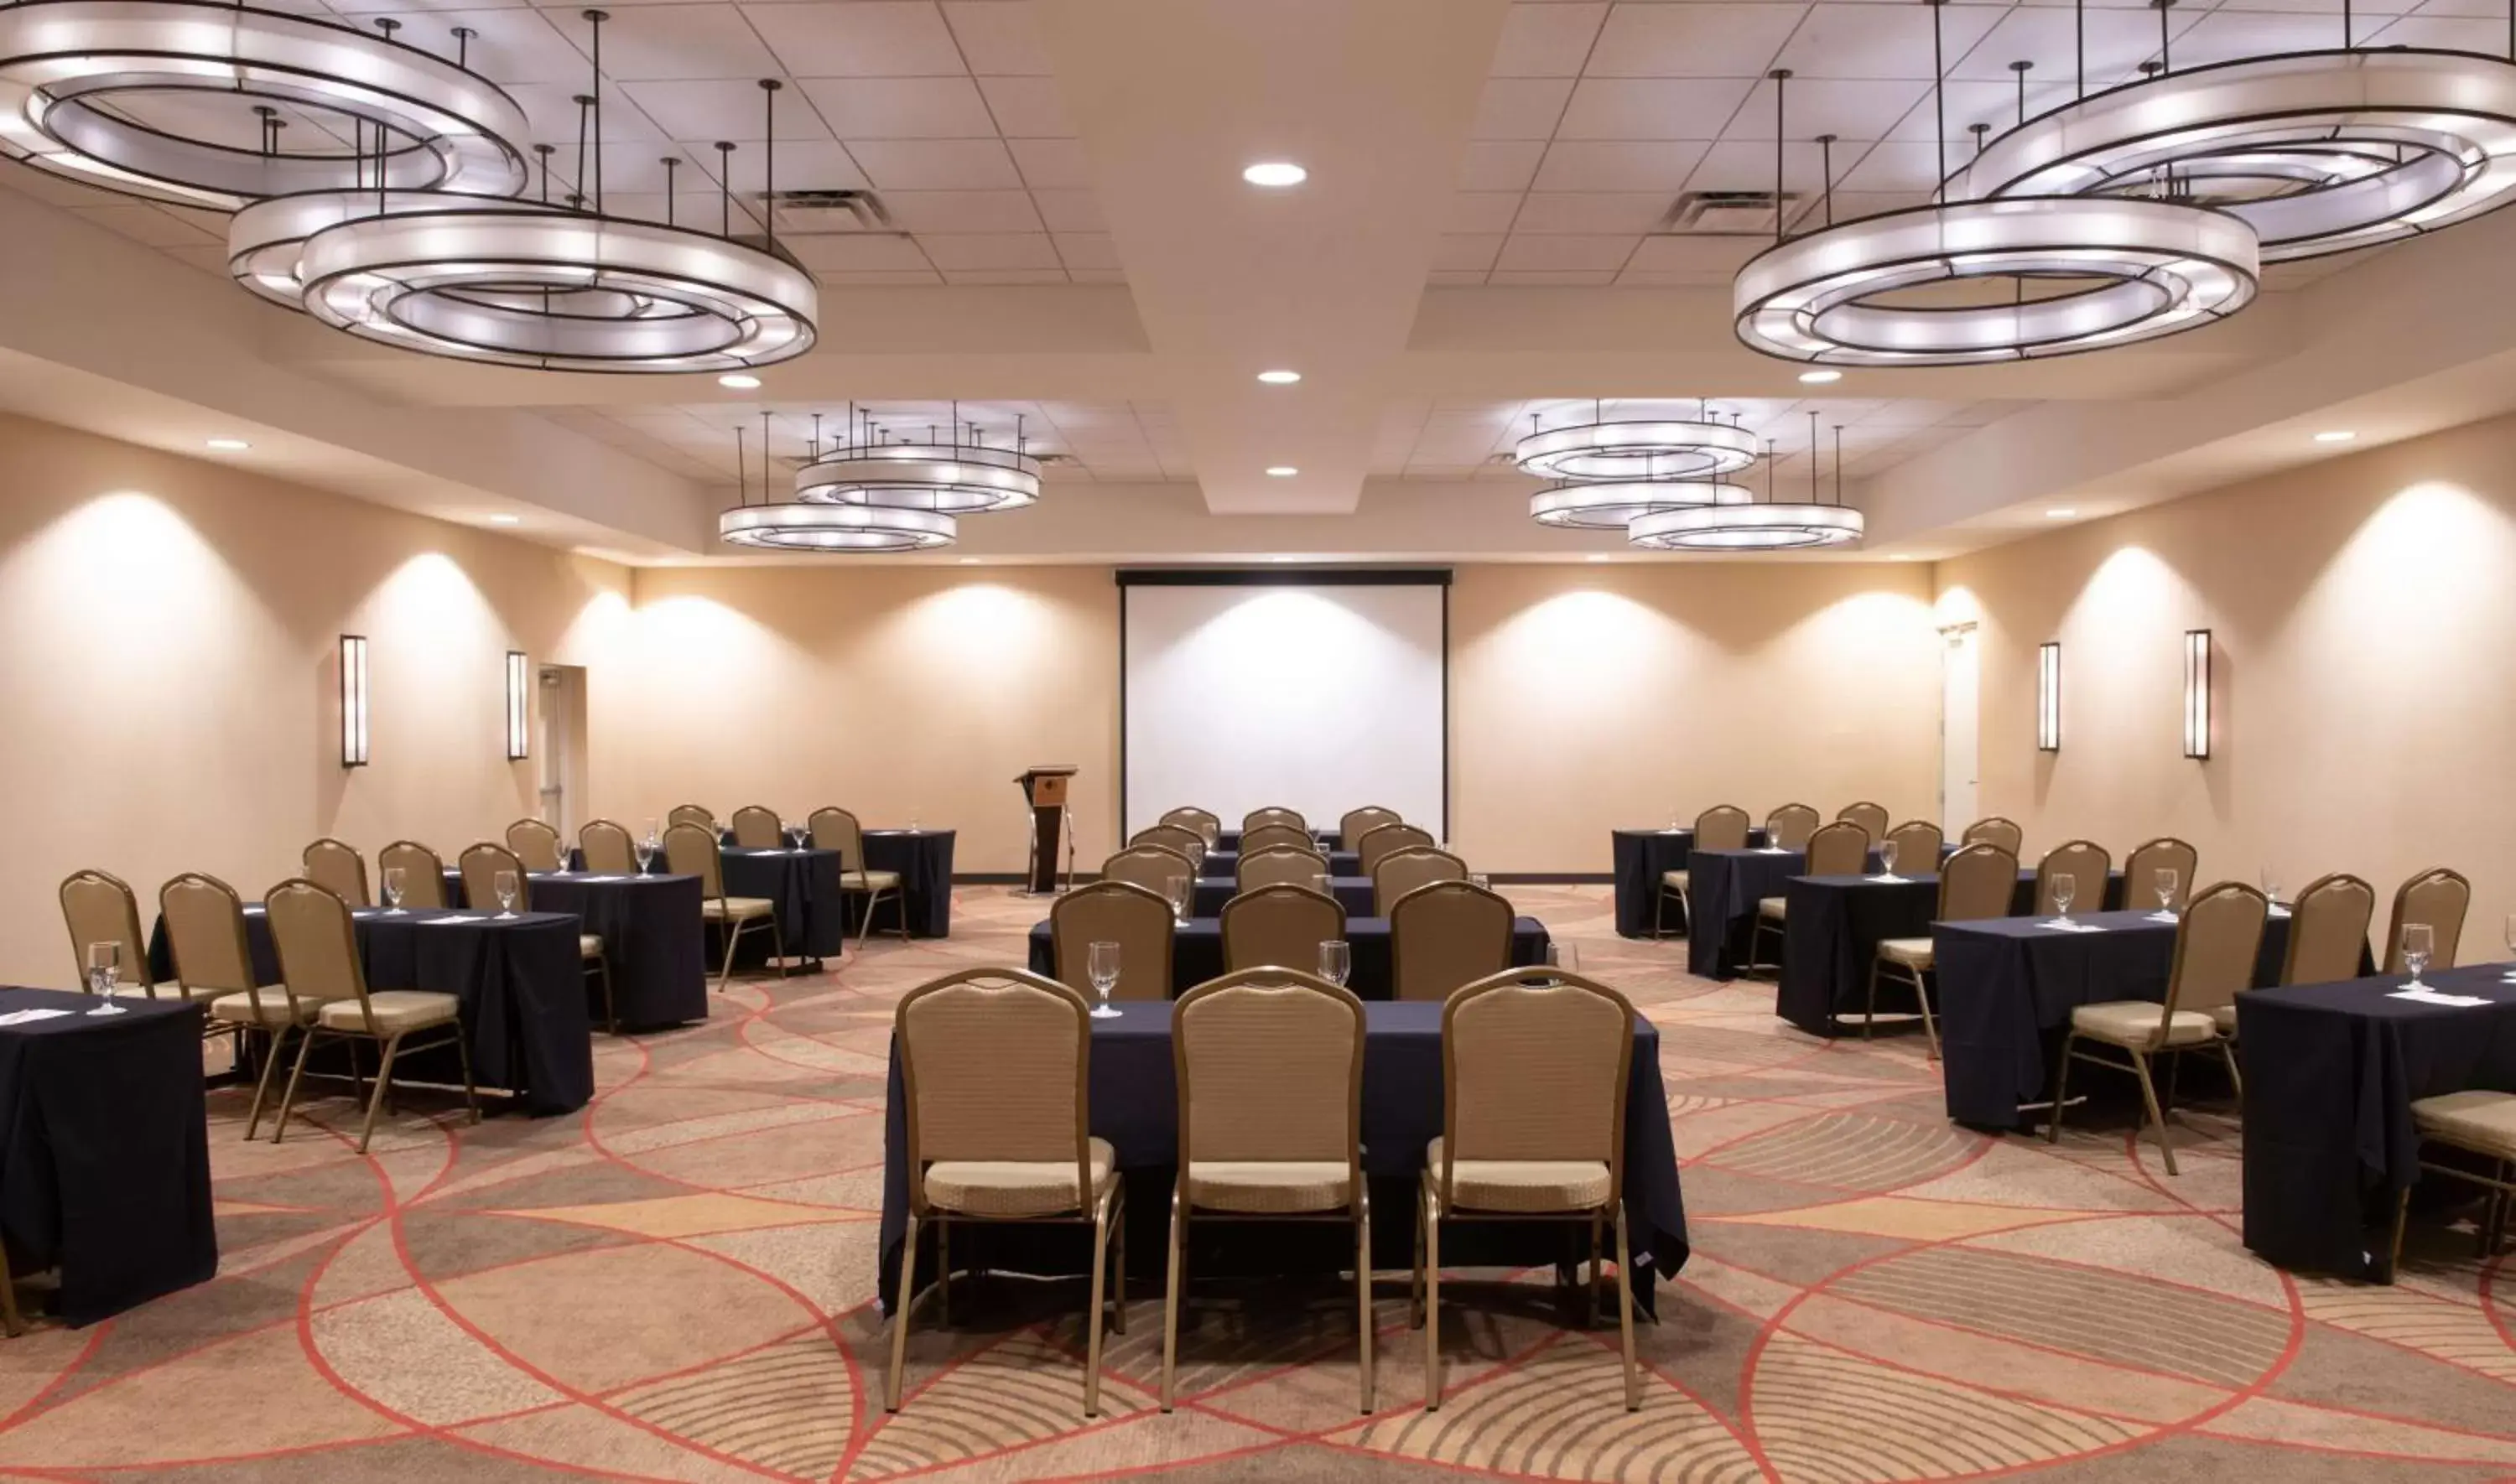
(676,1284)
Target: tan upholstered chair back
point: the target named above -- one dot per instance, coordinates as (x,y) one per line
(1791,826)
(1446,934)
(610,848)
(1180,838)
(423,873)
(1282,927)
(339,870)
(1276,837)
(100,909)
(1206,822)
(2328,930)
(1840,848)
(994,1064)
(1274,814)
(2439,897)
(691,813)
(1722,827)
(1150,866)
(1917,845)
(481,864)
(537,844)
(318,947)
(2142,865)
(205,932)
(1994,830)
(1533,1067)
(1869,816)
(1977,882)
(1281,864)
(1136,918)
(689,850)
(2216,940)
(1403,871)
(2087,865)
(1268,1064)
(836,829)
(1386,839)
(757,827)
(1356,823)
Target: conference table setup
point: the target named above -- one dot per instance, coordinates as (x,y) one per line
(1353,892)
(655,942)
(817,917)
(1643,859)
(1196,952)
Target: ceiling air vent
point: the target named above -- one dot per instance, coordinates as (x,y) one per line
(1724,213)
(804,213)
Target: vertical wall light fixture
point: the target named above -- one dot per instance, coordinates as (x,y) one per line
(354,700)
(520,705)
(2048,698)
(2197,693)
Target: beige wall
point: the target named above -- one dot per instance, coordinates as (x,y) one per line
(168,699)
(2364,615)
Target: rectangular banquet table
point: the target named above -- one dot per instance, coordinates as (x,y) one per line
(923,859)
(1642,857)
(1353,893)
(812,913)
(1325,839)
(521,980)
(104,1155)
(1226,863)
(653,938)
(1724,886)
(1134,1106)
(2008,984)
(1196,952)
(2331,1071)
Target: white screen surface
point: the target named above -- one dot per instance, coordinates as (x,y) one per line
(1321,698)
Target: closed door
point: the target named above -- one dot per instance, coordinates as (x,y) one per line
(1959,736)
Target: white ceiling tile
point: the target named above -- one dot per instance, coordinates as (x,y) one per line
(1460,252)
(1890,41)
(1551,278)
(1652,108)
(901,107)
(1547,40)
(1715,40)
(2225,36)
(961,211)
(1620,213)
(1052,164)
(728,109)
(1604,166)
(147,226)
(1070,211)
(672,42)
(1521,107)
(935,164)
(1499,165)
(835,278)
(1480,211)
(1027,108)
(991,250)
(1523,252)
(1088,249)
(2445,32)
(1454,279)
(1748,165)
(1848,108)
(513,44)
(861,38)
(1891,166)
(1096,276)
(999,38)
(820,166)
(1005,275)
(2117,41)
(859,252)
(552,109)
(1647,278)
(690,208)
(1670,252)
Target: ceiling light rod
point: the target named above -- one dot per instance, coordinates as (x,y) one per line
(1939,101)
(2166,57)
(769,87)
(595,19)
(1780,77)
(1825,168)
(2020,70)
(2080,27)
(742,470)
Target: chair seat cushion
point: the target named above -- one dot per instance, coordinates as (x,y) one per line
(589,946)
(1771,907)
(397,1012)
(169,990)
(1672,880)
(1532,1185)
(2472,1120)
(1912,952)
(238,1005)
(1014,1187)
(869,881)
(737,909)
(1268,1186)
(2225,1018)
(2133,1024)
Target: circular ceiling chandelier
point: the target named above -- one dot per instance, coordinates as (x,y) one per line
(2319,152)
(1614,504)
(82,79)
(795,527)
(953,478)
(1674,448)
(1758,526)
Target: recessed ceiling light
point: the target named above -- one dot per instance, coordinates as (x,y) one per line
(2335,436)
(736,381)
(1821,378)
(1899,557)
(1279,558)
(969,562)
(1596,557)
(2063,512)
(505,519)
(1281,470)
(1276,172)
(1279,378)
(230,445)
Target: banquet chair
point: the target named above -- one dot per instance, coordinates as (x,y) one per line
(2327,938)
(757,827)
(1533,1071)
(2216,940)
(1152,867)
(608,848)
(2478,1122)
(1356,823)
(1994,830)
(1386,839)
(1791,826)
(1269,1067)
(1722,827)
(836,829)
(1281,863)
(1869,816)
(1403,871)
(1205,823)
(1138,918)
(995,1086)
(1443,935)
(1974,882)
(538,845)
(480,865)
(2087,865)
(1274,814)
(339,870)
(100,909)
(1840,848)
(423,873)
(691,849)
(691,813)
(1276,837)
(2142,865)
(1176,836)
(1283,925)
(1918,844)
(2437,897)
(320,963)
(205,929)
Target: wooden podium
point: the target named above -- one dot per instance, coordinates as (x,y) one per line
(1044,789)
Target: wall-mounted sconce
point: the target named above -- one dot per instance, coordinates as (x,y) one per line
(354,700)
(2197,693)
(2048,698)
(520,706)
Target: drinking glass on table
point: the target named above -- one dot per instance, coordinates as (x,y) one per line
(1103,965)
(104,972)
(505,886)
(1481,881)
(2165,881)
(2064,888)
(1177,892)
(644,852)
(394,884)
(2510,977)
(1336,962)
(1887,858)
(796,835)
(2417,944)
(1562,955)
(2271,886)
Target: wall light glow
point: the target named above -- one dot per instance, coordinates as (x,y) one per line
(2197,693)
(2048,697)
(354,700)
(520,705)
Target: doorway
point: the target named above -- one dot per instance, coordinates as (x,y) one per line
(560,722)
(1960,732)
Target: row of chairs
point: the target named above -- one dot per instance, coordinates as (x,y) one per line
(757,827)
(1160,866)
(995,1077)
(1442,934)
(1352,826)
(1798,827)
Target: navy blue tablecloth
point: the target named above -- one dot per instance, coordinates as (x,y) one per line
(1134,1106)
(2331,1071)
(923,859)
(1725,886)
(1353,893)
(653,938)
(104,1156)
(1325,839)
(1226,863)
(812,916)
(1196,953)
(1642,858)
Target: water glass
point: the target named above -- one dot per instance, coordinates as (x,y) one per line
(2064,888)
(2271,886)
(1102,965)
(104,972)
(2165,881)
(2510,977)
(796,835)
(2417,944)
(505,886)
(1336,961)
(1176,888)
(1887,858)
(394,884)
(644,852)
(1481,881)
(1563,955)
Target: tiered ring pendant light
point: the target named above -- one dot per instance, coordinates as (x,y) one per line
(872,492)
(1610,470)
(1769,524)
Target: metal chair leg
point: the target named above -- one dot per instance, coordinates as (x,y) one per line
(2402,1220)
(1625,1314)
(908,1298)
(2157,1114)
(1171,1290)
(1362,1292)
(384,1080)
(2236,1078)
(1930,1021)
(1416,1277)
(11,1320)
(943,1271)
(296,1075)
(463,1053)
(262,1084)
(1118,1261)
(1590,1318)
(1092,1320)
(733,935)
(2061,1088)
(1431,1302)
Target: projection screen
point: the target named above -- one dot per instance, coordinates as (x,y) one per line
(1321,690)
